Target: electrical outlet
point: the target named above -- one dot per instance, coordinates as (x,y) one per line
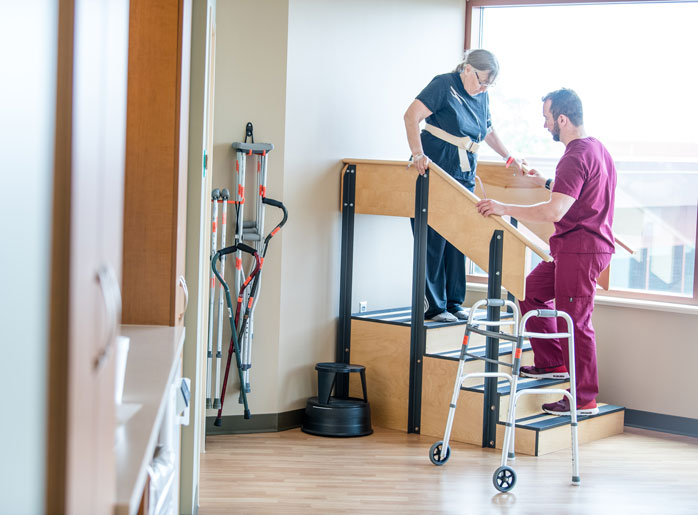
(363,306)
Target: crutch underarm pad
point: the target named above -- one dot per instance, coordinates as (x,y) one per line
(551,313)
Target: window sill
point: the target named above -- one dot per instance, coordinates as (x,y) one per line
(622,302)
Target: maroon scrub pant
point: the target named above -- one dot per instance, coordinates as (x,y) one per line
(570,280)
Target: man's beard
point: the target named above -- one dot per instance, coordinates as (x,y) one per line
(556,131)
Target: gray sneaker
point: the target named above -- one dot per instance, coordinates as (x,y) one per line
(461,314)
(444,316)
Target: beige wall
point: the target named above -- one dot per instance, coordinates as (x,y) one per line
(353,68)
(322,81)
(647,359)
(250,87)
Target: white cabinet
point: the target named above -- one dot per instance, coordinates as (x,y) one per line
(154,407)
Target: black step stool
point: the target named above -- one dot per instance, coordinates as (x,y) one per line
(326,415)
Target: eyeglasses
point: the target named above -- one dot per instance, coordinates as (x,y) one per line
(482,84)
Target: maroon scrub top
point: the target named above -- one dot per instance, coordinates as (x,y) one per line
(586,172)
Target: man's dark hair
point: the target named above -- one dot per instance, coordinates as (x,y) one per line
(567,102)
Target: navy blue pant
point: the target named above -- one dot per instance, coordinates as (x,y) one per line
(445,284)
(445,288)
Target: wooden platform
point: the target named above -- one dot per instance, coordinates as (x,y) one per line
(380,340)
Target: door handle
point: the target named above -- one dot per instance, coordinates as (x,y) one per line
(183,284)
(111,296)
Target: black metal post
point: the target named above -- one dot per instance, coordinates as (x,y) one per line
(510,296)
(417,331)
(494,291)
(347,263)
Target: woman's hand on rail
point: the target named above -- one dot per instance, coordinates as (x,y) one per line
(421,163)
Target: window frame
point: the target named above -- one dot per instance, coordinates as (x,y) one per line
(626,294)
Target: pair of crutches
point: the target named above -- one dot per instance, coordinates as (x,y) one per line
(504,478)
(250,231)
(217,197)
(247,295)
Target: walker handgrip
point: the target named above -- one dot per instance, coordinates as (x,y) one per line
(495,302)
(547,313)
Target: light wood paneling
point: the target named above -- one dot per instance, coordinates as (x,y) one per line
(529,404)
(437,389)
(384,349)
(156,160)
(589,430)
(385,189)
(559,438)
(388,188)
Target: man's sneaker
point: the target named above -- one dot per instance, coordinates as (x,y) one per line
(460,313)
(444,316)
(545,373)
(562,407)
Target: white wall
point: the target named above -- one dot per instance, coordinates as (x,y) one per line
(27,102)
(353,68)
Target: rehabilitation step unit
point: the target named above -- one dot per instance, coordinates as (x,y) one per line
(380,340)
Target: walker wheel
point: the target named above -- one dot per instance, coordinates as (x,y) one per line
(504,478)
(435,452)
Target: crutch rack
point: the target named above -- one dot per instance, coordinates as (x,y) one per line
(504,477)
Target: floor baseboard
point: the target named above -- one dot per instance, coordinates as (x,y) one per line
(263,423)
(660,422)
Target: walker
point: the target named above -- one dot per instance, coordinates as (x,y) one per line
(504,478)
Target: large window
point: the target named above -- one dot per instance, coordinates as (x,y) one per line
(633,66)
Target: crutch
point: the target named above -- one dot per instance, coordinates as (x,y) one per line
(254,231)
(240,166)
(504,477)
(256,285)
(248,230)
(225,195)
(215,195)
(234,346)
(440,451)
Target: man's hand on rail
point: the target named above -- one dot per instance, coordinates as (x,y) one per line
(489,207)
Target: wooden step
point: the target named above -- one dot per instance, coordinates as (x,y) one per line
(380,340)
(438,381)
(543,433)
(527,404)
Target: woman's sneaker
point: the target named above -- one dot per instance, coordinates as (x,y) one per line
(562,407)
(545,373)
(444,316)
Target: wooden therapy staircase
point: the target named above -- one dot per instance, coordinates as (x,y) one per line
(410,363)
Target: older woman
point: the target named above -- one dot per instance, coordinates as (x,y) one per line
(455,106)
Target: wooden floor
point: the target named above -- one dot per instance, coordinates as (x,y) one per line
(638,472)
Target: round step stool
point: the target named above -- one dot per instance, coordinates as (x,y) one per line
(326,415)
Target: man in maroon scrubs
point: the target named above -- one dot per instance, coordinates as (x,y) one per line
(581,206)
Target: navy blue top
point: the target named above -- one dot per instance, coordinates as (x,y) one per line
(459,114)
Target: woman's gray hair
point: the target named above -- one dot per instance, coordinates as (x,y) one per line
(482,60)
